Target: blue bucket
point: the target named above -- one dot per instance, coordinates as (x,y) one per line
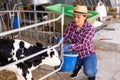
(15,22)
(70,59)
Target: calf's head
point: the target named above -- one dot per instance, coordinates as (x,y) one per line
(52,59)
(49,57)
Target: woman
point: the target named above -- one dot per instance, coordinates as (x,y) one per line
(81,34)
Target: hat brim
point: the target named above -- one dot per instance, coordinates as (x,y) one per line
(71,11)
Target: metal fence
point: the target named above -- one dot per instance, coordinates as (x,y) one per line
(29,26)
(21,18)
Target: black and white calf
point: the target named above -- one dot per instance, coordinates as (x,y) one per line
(12,50)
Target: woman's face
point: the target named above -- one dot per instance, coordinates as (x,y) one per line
(79,19)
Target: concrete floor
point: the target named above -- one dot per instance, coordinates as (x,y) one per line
(108,54)
(108,67)
(108,38)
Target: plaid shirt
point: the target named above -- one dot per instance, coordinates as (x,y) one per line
(82,40)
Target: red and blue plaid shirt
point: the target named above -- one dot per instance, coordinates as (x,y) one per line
(82,40)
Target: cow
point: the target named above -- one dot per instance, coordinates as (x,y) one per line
(12,50)
(41,16)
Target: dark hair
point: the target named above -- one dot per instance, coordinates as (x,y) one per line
(85,16)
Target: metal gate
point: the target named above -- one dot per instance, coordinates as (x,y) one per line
(27,27)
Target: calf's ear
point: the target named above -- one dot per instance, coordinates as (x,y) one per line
(39,44)
(51,53)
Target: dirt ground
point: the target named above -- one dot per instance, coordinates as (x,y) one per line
(7,75)
(37,74)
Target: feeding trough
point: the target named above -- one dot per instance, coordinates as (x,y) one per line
(57,9)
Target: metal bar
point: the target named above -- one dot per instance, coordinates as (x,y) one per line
(4,25)
(52,72)
(96,2)
(83,2)
(18,15)
(88,3)
(0,26)
(108,3)
(36,28)
(6,11)
(91,2)
(62,24)
(54,25)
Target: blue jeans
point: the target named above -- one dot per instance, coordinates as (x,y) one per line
(89,64)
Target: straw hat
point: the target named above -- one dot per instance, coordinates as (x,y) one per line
(80,10)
